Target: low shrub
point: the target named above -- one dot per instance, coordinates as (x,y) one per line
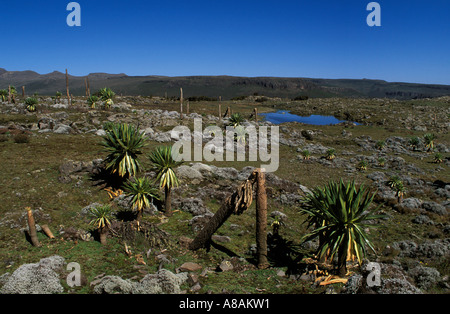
(21,138)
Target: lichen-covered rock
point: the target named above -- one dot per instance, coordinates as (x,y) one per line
(114,285)
(435,208)
(412,203)
(71,170)
(188,173)
(425,277)
(428,249)
(192,205)
(39,278)
(398,286)
(393,280)
(162,282)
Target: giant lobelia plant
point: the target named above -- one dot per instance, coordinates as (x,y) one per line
(339,214)
(142,194)
(164,164)
(123,143)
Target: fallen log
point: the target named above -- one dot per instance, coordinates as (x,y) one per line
(47,231)
(235,204)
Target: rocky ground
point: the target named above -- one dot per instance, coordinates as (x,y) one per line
(52,161)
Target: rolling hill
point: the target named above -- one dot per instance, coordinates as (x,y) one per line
(215,86)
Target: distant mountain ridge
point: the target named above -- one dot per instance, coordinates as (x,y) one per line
(215,86)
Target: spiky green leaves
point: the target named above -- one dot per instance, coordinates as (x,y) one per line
(438,158)
(92,101)
(164,165)
(306,154)
(101,216)
(3,94)
(331,154)
(107,95)
(397,185)
(429,141)
(394,182)
(236,119)
(339,213)
(123,143)
(31,103)
(362,165)
(414,142)
(141,192)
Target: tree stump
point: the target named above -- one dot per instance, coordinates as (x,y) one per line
(261,220)
(32,228)
(236,204)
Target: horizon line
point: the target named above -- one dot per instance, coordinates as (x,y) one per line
(227,75)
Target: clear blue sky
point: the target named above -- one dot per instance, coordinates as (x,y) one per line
(318,39)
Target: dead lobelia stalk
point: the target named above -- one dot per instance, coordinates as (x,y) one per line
(32,228)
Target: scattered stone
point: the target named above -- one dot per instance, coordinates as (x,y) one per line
(188,174)
(113,285)
(398,286)
(74,170)
(280,215)
(377,176)
(422,220)
(429,249)
(193,206)
(190,266)
(314,148)
(204,170)
(100,132)
(412,203)
(162,137)
(198,222)
(162,282)
(196,287)
(435,208)
(290,199)
(63,129)
(225,266)
(86,210)
(307,277)
(281,273)
(184,242)
(425,277)
(60,106)
(394,280)
(221,238)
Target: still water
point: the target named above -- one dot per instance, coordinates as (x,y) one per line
(283,116)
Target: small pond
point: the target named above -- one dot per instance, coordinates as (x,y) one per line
(283,116)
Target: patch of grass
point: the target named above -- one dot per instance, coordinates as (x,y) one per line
(253,282)
(6,119)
